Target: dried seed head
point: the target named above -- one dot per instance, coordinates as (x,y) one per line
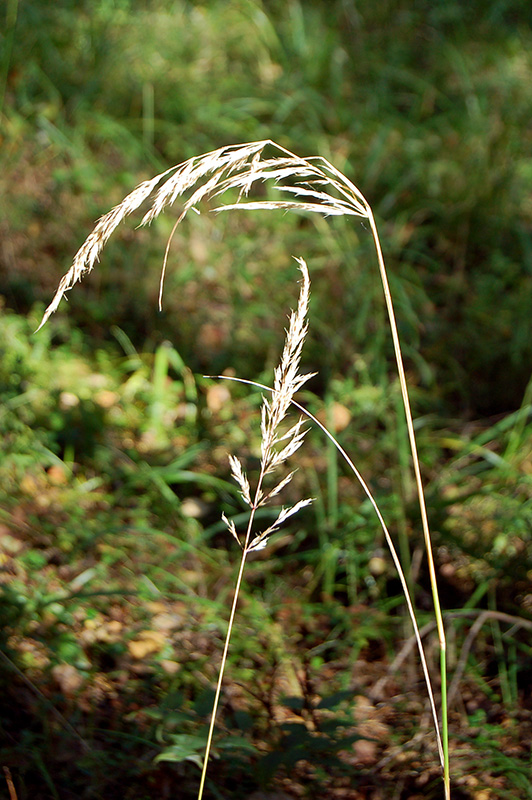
(287,382)
(321,186)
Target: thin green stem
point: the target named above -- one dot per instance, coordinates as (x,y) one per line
(222,669)
(420,492)
(228,636)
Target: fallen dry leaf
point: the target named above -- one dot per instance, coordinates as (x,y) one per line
(147,643)
(337,417)
(67,678)
(218,396)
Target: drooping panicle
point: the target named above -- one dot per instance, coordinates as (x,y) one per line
(313,183)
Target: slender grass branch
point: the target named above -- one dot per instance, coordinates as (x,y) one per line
(221,675)
(420,494)
(389,542)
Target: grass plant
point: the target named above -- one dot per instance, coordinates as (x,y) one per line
(287,382)
(311,185)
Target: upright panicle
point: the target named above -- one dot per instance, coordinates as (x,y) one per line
(276,449)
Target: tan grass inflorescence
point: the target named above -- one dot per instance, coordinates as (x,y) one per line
(234,167)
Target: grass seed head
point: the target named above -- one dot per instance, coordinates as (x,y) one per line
(236,167)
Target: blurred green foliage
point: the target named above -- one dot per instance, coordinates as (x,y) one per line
(425,109)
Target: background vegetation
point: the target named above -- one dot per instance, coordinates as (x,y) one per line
(116,572)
